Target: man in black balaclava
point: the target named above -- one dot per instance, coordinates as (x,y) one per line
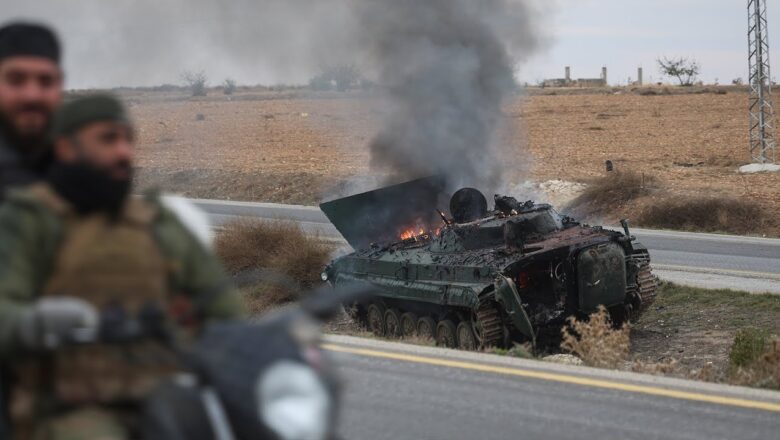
(30,91)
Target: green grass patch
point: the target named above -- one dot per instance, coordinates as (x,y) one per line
(749,344)
(726,309)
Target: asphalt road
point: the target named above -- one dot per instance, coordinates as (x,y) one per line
(397,391)
(706,260)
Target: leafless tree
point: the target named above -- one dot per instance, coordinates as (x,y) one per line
(196,82)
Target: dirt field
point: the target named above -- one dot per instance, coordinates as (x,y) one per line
(298,146)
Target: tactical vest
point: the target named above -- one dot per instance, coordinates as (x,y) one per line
(103,261)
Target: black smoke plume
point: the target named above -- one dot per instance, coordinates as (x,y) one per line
(448,66)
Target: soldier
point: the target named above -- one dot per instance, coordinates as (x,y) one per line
(77,245)
(30,91)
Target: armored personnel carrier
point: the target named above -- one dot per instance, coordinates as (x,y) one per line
(473,277)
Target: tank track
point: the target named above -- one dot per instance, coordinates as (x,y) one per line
(490,328)
(646,286)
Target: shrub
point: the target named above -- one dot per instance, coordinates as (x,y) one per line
(614,189)
(196,82)
(287,260)
(764,370)
(342,77)
(321,83)
(731,215)
(596,341)
(748,345)
(229,86)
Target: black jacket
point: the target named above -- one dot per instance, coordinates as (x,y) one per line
(14,170)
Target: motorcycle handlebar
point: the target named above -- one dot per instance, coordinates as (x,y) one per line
(116,326)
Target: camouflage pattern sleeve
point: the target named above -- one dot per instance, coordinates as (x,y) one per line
(196,270)
(25,237)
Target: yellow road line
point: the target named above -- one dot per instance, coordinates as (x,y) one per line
(563,378)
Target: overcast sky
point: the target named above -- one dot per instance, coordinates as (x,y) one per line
(625,34)
(585,34)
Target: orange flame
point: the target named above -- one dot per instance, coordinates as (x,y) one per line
(418,233)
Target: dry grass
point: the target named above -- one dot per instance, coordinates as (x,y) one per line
(723,160)
(290,146)
(762,371)
(663,368)
(732,215)
(278,248)
(609,193)
(596,341)
(640,197)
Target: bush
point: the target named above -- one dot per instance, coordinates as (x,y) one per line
(748,345)
(755,359)
(289,261)
(607,193)
(596,341)
(736,216)
(321,83)
(342,77)
(229,86)
(196,82)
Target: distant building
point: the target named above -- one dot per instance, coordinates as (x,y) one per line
(566,81)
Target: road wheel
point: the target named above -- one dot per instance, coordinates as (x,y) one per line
(466,338)
(426,328)
(408,325)
(376,319)
(393,323)
(446,334)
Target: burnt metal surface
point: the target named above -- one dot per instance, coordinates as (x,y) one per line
(375,216)
(521,264)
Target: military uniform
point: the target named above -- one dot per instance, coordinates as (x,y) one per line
(144,255)
(14,171)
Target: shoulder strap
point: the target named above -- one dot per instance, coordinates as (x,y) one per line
(141,211)
(45,195)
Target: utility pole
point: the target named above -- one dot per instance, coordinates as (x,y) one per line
(762,118)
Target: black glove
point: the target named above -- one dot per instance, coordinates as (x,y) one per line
(52,320)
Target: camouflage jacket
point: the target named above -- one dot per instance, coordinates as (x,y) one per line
(13,172)
(30,235)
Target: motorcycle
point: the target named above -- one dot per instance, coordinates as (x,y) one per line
(240,380)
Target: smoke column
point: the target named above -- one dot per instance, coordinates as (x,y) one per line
(447,67)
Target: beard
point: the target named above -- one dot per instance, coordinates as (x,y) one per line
(33,148)
(90,189)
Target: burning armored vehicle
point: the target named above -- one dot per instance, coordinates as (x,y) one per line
(474,277)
